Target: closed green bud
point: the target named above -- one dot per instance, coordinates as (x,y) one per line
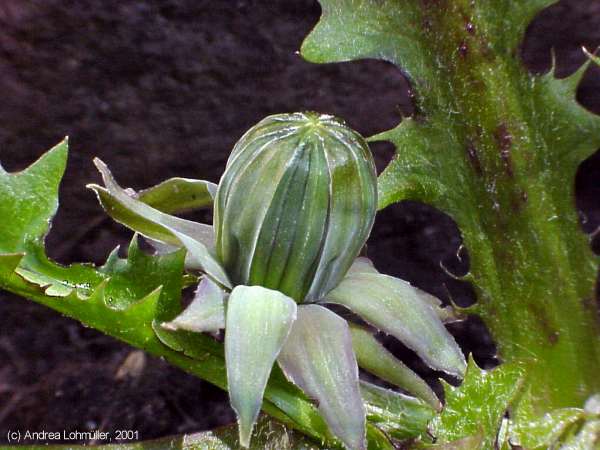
(295,205)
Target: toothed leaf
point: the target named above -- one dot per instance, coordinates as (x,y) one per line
(478,405)
(127,299)
(497,149)
(544,432)
(592,56)
(30,199)
(587,438)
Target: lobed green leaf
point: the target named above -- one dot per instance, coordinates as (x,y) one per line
(127,299)
(497,149)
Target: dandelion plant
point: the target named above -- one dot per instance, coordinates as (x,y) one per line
(293,209)
(280,275)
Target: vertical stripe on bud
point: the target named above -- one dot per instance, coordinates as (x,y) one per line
(296,204)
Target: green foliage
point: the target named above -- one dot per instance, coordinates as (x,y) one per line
(124,298)
(491,145)
(547,430)
(376,359)
(476,408)
(497,149)
(130,298)
(179,194)
(399,416)
(394,306)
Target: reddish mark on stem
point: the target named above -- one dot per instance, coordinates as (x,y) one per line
(474,158)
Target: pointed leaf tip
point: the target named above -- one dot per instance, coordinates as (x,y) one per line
(258,323)
(318,357)
(592,56)
(407,313)
(30,199)
(157,225)
(479,403)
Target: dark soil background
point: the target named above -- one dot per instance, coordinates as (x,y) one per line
(164,88)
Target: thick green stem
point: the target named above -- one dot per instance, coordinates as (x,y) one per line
(496,148)
(536,294)
(531,265)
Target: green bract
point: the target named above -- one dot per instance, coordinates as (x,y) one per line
(295,205)
(292,211)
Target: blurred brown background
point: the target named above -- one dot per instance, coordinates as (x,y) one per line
(164,88)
